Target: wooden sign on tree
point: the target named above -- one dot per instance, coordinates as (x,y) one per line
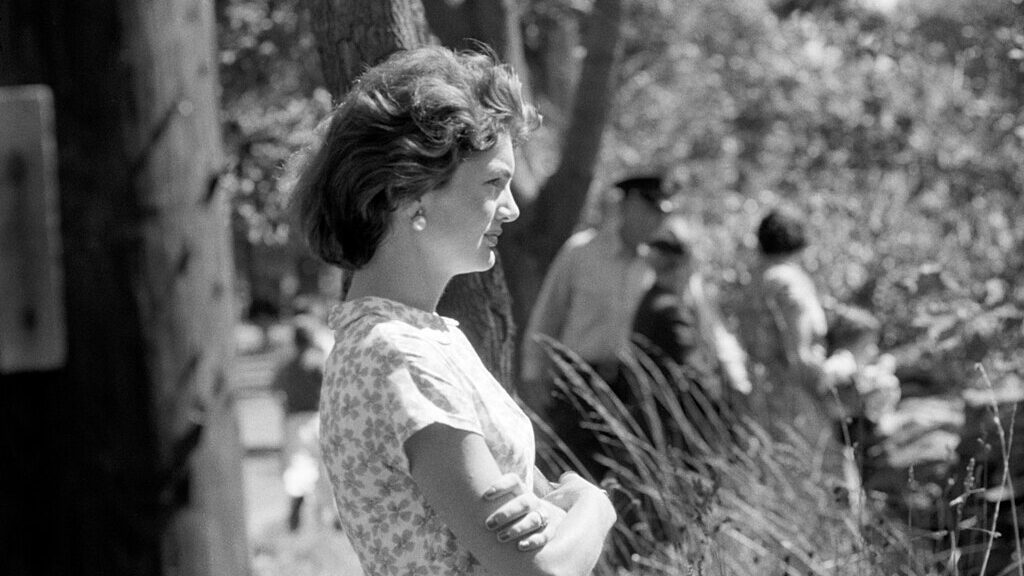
(32,330)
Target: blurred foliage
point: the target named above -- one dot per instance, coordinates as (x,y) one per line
(898,131)
(272,100)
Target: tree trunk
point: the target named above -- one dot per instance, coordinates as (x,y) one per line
(355,34)
(493,22)
(127,459)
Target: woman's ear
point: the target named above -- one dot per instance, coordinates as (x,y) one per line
(408,209)
(414,215)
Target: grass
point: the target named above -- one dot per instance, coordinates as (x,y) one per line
(731,494)
(739,500)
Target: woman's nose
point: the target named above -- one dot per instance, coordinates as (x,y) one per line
(508,210)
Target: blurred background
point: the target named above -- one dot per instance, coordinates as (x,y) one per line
(152,277)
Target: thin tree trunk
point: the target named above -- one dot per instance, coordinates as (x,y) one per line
(137,468)
(551,218)
(561,199)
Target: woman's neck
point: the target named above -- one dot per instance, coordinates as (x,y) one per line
(398,281)
(772,259)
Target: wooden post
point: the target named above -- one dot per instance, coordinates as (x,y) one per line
(184,293)
(125,460)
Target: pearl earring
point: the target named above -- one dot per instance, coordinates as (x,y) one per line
(419,221)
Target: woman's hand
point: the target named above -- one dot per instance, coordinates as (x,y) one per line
(525,519)
(568,489)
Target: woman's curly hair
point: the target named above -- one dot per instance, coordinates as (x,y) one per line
(400,132)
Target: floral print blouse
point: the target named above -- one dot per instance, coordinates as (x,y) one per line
(395,370)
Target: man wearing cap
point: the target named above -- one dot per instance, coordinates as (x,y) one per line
(590,294)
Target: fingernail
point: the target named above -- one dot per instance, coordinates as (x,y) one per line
(523,544)
(491,523)
(503,536)
(489,492)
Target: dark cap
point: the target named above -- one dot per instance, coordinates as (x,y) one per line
(650,188)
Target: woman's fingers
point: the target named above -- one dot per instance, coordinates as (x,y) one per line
(522,519)
(538,537)
(527,526)
(507,484)
(569,476)
(512,511)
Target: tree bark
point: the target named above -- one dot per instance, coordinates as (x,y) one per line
(369,31)
(493,22)
(127,459)
(353,35)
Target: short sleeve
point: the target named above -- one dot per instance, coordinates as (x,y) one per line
(421,388)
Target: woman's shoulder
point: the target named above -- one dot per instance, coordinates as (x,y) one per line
(787,277)
(388,320)
(382,332)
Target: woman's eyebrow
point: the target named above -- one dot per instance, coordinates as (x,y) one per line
(501,172)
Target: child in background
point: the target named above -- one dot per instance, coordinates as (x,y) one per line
(298,382)
(872,391)
(860,403)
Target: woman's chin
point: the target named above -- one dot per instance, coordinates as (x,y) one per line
(482,265)
(487,261)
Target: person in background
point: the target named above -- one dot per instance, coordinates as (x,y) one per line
(587,302)
(784,328)
(862,404)
(696,361)
(264,312)
(298,381)
(431,461)
(679,320)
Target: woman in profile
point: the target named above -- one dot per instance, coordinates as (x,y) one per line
(431,461)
